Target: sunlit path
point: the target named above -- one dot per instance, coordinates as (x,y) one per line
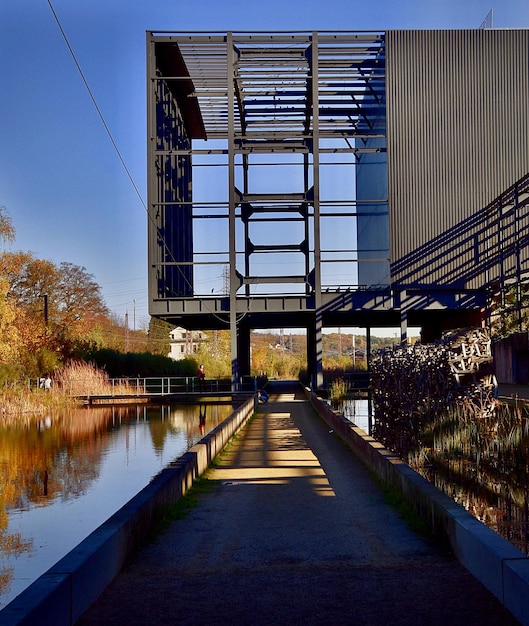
(295,531)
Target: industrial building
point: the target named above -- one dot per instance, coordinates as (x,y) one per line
(335,179)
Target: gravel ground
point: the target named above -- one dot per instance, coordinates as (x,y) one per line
(294,531)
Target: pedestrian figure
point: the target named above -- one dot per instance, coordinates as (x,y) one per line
(202,419)
(201,377)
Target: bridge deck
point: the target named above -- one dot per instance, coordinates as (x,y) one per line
(294,531)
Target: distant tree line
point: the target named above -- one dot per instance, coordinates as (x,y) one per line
(51,313)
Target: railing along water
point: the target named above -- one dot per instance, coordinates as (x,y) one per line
(150,386)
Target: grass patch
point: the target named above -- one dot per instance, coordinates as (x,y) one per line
(18,405)
(405,510)
(181,508)
(201,486)
(78,378)
(338,391)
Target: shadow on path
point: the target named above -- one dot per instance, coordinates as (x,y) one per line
(295,531)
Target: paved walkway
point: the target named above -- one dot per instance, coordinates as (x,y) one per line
(294,531)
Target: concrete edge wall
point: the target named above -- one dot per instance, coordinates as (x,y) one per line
(61,595)
(490,558)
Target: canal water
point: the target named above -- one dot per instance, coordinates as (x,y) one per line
(356,410)
(63,476)
(481,463)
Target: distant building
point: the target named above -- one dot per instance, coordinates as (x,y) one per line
(184,342)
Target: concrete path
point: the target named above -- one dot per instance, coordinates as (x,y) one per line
(294,531)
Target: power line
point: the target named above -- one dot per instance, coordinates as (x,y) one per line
(97,107)
(122,160)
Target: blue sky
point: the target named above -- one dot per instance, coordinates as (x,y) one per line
(60,178)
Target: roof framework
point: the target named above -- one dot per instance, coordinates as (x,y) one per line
(273,82)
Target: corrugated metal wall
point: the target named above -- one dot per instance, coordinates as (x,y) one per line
(457,135)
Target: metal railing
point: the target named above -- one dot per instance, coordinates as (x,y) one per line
(152,385)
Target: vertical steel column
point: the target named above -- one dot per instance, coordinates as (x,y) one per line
(230,53)
(369,393)
(501,265)
(151,174)
(403,317)
(318,321)
(246,190)
(306,218)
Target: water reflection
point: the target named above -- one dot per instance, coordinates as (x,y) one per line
(63,475)
(483,464)
(356,410)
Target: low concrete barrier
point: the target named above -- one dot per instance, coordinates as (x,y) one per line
(495,562)
(61,595)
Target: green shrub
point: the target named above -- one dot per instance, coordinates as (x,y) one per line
(10,372)
(338,391)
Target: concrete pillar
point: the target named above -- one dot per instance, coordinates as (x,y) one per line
(243,350)
(315,353)
(235,378)
(403,318)
(403,327)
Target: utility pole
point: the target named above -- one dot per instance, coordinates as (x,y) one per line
(226,281)
(189,342)
(45,296)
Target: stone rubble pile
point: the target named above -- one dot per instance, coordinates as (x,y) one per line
(411,383)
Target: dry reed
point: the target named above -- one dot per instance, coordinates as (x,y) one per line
(75,379)
(78,378)
(19,403)
(338,391)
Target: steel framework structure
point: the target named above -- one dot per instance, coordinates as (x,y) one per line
(268,189)
(272,112)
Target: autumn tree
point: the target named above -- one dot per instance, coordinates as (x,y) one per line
(215,353)
(57,306)
(45,309)
(9,341)
(159,339)
(50,312)
(32,282)
(78,294)
(9,345)
(7,230)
